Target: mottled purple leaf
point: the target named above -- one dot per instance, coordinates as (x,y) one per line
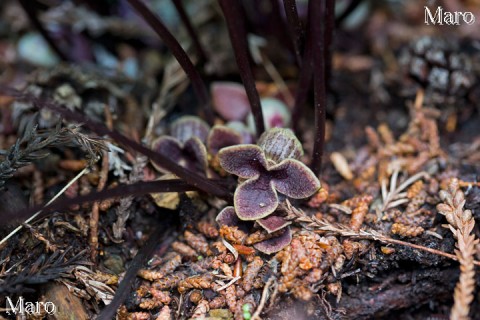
(294,179)
(230,100)
(245,161)
(227,217)
(167,146)
(255,199)
(221,137)
(273,223)
(275,244)
(280,144)
(195,155)
(242,129)
(188,127)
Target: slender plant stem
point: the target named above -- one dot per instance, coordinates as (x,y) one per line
(263,300)
(32,16)
(323,226)
(279,27)
(134,189)
(35,212)
(236,30)
(304,84)
(419,247)
(161,235)
(187,65)
(191,31)
(294,28)
(329,29)
(190,177)
(317,38)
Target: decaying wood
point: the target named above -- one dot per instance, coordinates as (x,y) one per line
(68,305)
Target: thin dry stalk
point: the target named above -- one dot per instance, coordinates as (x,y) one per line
(313,223)
(123,210)
(231,282)
(37,213)
(394,197)
(461,223)
(255,45)
(264,298)
(94,217)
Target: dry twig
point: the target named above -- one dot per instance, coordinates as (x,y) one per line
(342,230)
(263,300)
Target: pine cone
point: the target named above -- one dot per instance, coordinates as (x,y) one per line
(440,66)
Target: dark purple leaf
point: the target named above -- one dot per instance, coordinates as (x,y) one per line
(275,244)
(273,223)
(255,199)
(195,155)
(245,161)
(188,127)
(227,217)
(192,155)
(167,146)
(294,179)
(221,137)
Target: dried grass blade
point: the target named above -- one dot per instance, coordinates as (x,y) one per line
(36,214)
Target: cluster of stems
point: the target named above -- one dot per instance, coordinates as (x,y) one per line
(311,51)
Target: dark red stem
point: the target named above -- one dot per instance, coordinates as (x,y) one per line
(304,81)
(280,28)
(238,37)
(188,176)
(161,238)
(191,31)
(294,28)
(135,189)
(304,85)
(197,82)
(329,28)
(32,16)
(317,38)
